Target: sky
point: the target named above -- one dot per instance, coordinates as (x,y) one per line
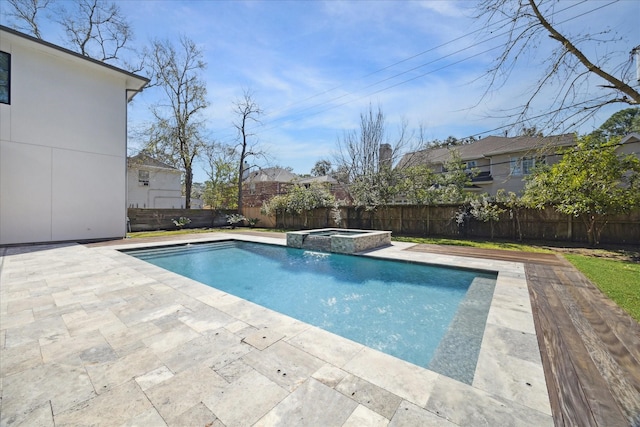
(314,66)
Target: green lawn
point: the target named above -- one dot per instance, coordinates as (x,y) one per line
(486,244)
(160,233)
(619,280)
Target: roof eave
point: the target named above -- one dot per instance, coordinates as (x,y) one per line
(134,83)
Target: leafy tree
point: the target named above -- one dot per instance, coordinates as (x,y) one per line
(450,141)
(531,131)
(277,206)
(221,189)
(620,124)
(484,209)
(421,184)
(590,182)
(303,199)
(418,184)
(176,135)
(299,201)
(321,168)
(514,205)
(452,183)
(569,73)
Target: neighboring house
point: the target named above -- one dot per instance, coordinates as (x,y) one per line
(499,162)
(630,144)
(261,185)
(153,184)
(339,191)
(63,143)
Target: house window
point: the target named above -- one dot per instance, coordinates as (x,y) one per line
(522,165)
(143,178)
(516,166)
(5,78)
(527,165)
(470,165)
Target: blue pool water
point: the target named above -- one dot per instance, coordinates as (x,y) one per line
(403,309)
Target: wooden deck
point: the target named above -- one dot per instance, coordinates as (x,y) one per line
(590,348)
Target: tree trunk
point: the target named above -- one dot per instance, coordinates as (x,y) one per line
(188,182)
(240,173)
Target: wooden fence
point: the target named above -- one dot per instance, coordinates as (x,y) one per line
(162,219)
(531,224)
(263,220)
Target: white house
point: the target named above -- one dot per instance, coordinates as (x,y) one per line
(63,140)
(153,184)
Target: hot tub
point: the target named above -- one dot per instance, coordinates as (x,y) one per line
(338,240)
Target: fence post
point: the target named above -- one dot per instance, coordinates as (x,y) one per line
(570,228)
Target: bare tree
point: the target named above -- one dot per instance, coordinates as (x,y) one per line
(25,13)
(96,28)
(366,158)
(569,70)
(176,135)
(359,151)
(247,112)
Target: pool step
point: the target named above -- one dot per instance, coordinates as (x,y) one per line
(152,253)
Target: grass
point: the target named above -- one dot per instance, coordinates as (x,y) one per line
(619,280)
(484,244)
(162,233)
(618,277)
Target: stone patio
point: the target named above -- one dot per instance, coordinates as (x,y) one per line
(92,336)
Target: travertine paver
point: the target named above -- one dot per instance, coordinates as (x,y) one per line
(284,364)
(369,395)
(363,416)
(471,406)
(92,336)
(115,407)
(184,390)
(311,404)
(401,378)
(410,415)
(234,407)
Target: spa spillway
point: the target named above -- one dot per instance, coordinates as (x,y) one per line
(338,240)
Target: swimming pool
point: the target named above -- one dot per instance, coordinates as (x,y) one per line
(427,315)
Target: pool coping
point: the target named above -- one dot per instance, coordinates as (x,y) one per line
(508,387)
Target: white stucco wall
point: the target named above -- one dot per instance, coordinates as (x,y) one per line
(62,147)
